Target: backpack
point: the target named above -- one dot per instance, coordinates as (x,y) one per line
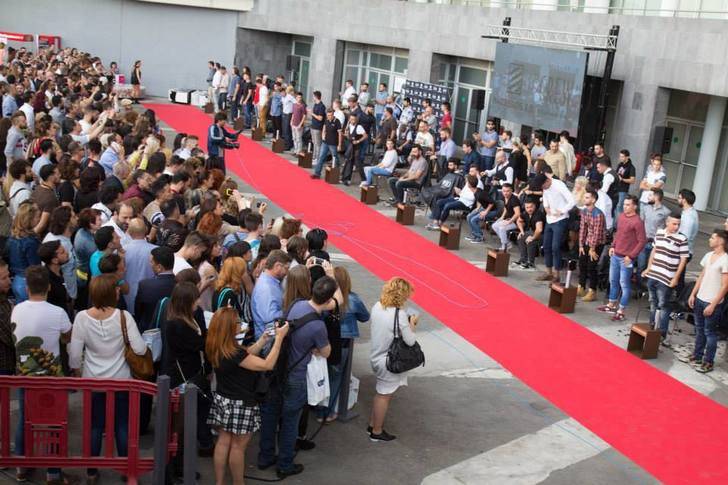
(271,383)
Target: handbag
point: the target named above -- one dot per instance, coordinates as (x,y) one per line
(400,356)
(141,366)
(153,336)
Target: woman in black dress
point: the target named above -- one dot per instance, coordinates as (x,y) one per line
(136,81)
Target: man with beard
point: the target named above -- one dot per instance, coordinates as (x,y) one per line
(120,221)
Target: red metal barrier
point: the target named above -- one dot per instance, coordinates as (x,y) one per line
(46,424)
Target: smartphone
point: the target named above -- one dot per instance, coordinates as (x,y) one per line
(319,261)
(270,329)
(257,204)
(229,192)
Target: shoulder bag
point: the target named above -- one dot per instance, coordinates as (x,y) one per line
(153,336)
(141,366)
(400,356)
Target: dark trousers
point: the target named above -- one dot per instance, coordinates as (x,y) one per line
(204,436)
(286,130)
(98,422)
(441,209)
(527,250)
(589,268)
(353,160)
(553,238)
(277,125)
(398,187)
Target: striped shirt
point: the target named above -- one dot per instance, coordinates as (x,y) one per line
(668,250)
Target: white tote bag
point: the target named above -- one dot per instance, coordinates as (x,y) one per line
(317,381)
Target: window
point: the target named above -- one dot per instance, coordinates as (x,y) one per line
(400,65)
(374,65)
(472,76)
(302,49)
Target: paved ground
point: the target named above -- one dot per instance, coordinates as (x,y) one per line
(464,419)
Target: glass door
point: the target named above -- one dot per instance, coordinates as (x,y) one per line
(681,162)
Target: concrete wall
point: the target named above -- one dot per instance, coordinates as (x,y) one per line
(653,52)
(263,51)
(173,42)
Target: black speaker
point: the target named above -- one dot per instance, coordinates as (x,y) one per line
(477,100)
(293,63)
(662,141)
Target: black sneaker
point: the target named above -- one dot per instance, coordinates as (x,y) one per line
(304,445)
(383,436)
(297,468)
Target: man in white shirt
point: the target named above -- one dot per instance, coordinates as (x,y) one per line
(195,244)
(29,111)
(222,88)
(120,222)
(262,106)
(424,138)
(349,91)
(557,202)
(604,167)
(338,113)
(20,190)
(655,178)
(216,78)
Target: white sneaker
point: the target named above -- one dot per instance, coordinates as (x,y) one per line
(363,184)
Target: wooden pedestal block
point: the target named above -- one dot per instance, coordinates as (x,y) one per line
(369,195)
(239,124)
(258,134)
(305,160)
(332,175)
(279,145)
(644,342)
(450,237)
(496,262)
(406,214)
(562,299)
(209,108)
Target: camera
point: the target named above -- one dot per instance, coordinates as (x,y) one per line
(279,322)
(257,204)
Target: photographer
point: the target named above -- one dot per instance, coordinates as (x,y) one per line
(217,142)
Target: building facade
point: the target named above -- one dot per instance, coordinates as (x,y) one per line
(669,69)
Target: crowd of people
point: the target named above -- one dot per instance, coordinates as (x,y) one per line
(531,192)
(115,244)
(112,239)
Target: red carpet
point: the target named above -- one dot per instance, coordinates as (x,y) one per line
(673,432)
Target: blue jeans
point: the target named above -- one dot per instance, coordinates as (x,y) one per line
(706,338)
(286,410)
(325,150)
(234,106)
(620,276)
(363,149)
(98,422)
(620,203)
(553,238)
(659,300)
(370,172)
(248,111)
(486,162)
(441,209)
(474,221)
(286,132)
(19,289)
(642,261)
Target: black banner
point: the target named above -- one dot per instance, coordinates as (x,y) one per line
(418,91)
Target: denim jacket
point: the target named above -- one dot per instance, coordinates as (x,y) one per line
(356,312)
(22,252)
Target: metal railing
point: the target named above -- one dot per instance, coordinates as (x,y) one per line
(565,6)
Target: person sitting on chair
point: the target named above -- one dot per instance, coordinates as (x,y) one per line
(464,199)
(446,186)
(411,179)
(507,221)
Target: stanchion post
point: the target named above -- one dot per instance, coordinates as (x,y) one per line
(190,420)
(161,430)
(344,414)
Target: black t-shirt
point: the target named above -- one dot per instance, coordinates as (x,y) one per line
(66,192)
(57,295)
(367,122)
(529,222)
(624,170)
(246,87)
(510,206)
(319,110)
(183,346)
(484,199)
(331,132)
(234,382)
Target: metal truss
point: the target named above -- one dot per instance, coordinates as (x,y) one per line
(572,39)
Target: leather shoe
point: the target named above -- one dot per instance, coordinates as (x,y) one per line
(297,468)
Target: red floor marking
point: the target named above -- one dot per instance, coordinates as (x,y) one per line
(673,432)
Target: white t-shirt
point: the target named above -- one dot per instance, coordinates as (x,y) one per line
(467,196)
(41,319)
(263,95)
(19,193)
(607,180)
(390,160)
(604,204)
(652,178)
(713,276)
(180,264)
(82,139)
(85,127)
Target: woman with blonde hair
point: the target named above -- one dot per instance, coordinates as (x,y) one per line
(580,185)
(298,285)
(22,247)
(234,289)
(235,412)
(385,314)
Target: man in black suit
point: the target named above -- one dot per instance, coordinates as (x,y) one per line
(152,290)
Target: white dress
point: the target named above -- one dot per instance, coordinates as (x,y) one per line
(382,325)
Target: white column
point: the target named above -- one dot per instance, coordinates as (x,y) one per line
(596,6)
(708,151)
